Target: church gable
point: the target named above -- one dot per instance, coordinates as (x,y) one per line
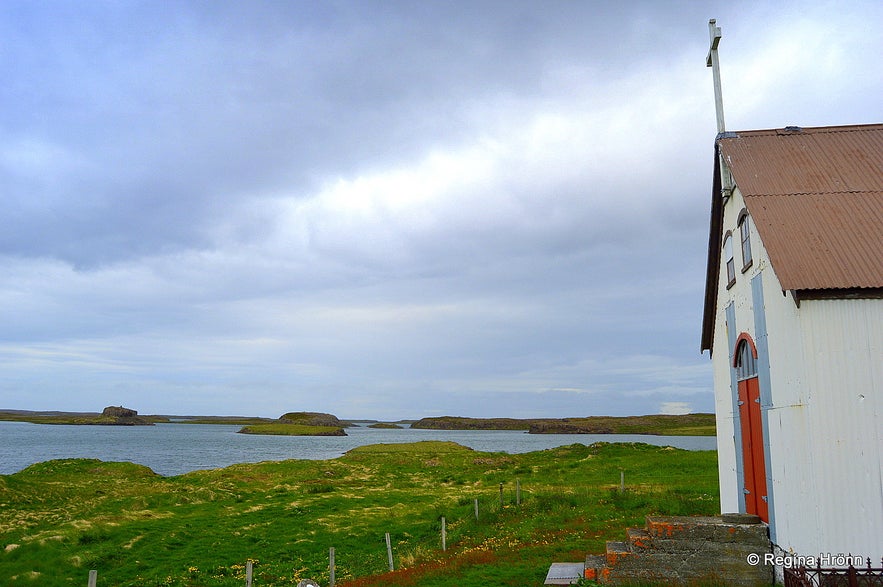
(815,197)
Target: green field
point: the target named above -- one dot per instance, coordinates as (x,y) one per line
(61,518)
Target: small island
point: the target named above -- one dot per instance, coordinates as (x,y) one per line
(385,426)
(300,424)
(120,416)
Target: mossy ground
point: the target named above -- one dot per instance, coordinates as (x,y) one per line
(61,518)
(293,430)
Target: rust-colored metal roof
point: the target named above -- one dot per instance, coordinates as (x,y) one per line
(816,198)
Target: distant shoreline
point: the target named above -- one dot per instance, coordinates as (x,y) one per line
(657,424)
(702,424)
(93,418)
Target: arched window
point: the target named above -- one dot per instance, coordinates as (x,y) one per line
(746,361)
(744,236)
(728,255)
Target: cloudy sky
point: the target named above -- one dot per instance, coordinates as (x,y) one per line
(383,209)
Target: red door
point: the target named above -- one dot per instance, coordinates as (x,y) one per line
(752,449)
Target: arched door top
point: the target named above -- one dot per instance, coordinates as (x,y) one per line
(745,357)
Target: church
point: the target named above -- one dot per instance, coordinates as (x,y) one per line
(793,321)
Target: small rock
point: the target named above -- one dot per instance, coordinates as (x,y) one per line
(119,412)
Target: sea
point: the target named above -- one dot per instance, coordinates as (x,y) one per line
(174,449)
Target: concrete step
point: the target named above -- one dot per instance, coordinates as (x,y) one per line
(716,528)
(676,526)
(565,573)
(639,540)
(617,552)
(593,566)
(683,550)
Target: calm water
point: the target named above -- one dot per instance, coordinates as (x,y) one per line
(173,449)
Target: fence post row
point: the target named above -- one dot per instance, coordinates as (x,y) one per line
(249,565)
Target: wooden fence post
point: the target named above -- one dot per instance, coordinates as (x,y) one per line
(331,566)
(518,492)
(501,496)
(621,481)
(444,535)
(476,508)
(93,578)
(249,569)
(389,552)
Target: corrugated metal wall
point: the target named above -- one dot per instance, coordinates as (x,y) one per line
(825,418)
(843,350)
(826,423)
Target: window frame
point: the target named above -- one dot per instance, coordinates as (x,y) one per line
(729,262)
(745,239)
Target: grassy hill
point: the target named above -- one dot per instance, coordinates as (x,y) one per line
(61,518)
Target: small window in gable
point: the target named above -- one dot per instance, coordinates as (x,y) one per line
(745,238)
(728,255)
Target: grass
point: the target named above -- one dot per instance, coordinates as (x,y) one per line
(293,430)
(61,518)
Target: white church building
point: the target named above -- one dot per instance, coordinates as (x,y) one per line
(793,321)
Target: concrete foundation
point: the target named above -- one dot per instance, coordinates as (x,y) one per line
(673,550)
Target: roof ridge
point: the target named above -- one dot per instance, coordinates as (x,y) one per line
(845,128)
(872,126)
(815,193)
